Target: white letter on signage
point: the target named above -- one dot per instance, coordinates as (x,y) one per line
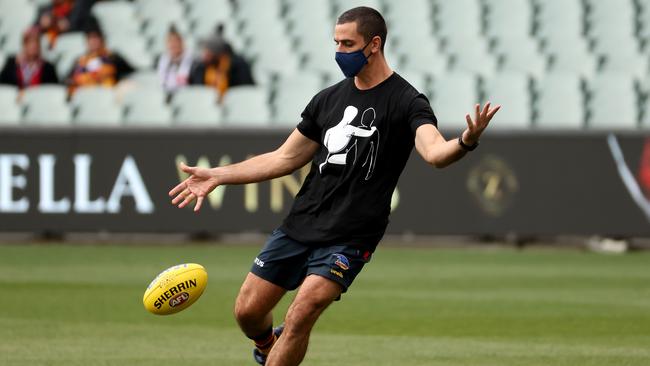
(8,182)
(47,203)
(82,202)
(129,182)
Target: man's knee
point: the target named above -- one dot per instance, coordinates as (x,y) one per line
(256,299)
(303,313)
(246,310)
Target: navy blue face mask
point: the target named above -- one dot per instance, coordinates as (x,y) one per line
(351,63)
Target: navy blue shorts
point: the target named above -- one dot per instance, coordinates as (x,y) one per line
(286,262)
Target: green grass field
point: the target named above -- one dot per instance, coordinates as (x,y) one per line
(82,305)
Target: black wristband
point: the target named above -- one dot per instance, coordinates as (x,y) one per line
(465,146)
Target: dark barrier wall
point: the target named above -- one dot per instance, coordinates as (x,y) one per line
(90,180)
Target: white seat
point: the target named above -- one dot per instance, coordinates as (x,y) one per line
(117,17)
(246,106)
(319,50)
(511,91)
(204,15)
(292,96)
(421,55)
(458,18)
(196,105)
(164,10)
(10,115)
(454,95)
(611,18)
(153,96)
(520,55)
(44,95)
(3,59)
(273,57)
(96,106)
(344,5)
(470,55)
(309,82)
(316,12)
(133,48)
(198,116)
(45,105)
(559,18)
(148,115)
(560,102)
(47,115)
(65,64)
(73,44)
(147,79)
(509,18)
(105,116)
(570,56)
(419,80)
(621,55)
(194,94)
(613,102)
(15,18)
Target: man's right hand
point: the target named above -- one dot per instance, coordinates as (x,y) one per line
(199,184)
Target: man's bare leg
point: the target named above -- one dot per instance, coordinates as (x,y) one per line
(315,295)
(257,298)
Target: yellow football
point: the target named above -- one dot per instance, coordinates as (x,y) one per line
(175,289)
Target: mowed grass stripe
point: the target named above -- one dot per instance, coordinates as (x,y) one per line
(81,305)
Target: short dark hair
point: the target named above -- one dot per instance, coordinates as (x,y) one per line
(369,21)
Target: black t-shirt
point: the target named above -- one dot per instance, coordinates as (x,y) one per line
(366,137)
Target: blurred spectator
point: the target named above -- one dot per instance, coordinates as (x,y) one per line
(28,68)
(174,66)
(54,19)
(62,16)
(99,66)
(220,67)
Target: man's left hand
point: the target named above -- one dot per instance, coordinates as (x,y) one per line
(476,127)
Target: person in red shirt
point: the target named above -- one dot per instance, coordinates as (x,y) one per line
(28,68)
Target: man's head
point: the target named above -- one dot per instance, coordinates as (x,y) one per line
(359,34)
(174,43)
(94,40)
(358,27)
(32,44)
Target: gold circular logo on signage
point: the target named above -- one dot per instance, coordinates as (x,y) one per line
(494,185)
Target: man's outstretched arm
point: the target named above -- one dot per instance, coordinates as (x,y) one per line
(439,152)
(296,151)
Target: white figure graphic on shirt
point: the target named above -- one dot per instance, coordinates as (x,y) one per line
(340,140)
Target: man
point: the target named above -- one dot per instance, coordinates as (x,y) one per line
(220,67)
(28,68)
(358,135)
(99,66)
(175,64)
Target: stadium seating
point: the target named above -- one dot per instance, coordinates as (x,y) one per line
(247,106)
(196,106)
(567,50)
(292,95)
(95,106)
(453,95)
(511,90)
(15,17)
(559,102)
(10,115)
(46,106)
(612,102)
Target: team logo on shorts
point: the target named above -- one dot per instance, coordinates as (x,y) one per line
(341,261)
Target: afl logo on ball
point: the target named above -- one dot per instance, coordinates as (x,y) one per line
(179,299)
